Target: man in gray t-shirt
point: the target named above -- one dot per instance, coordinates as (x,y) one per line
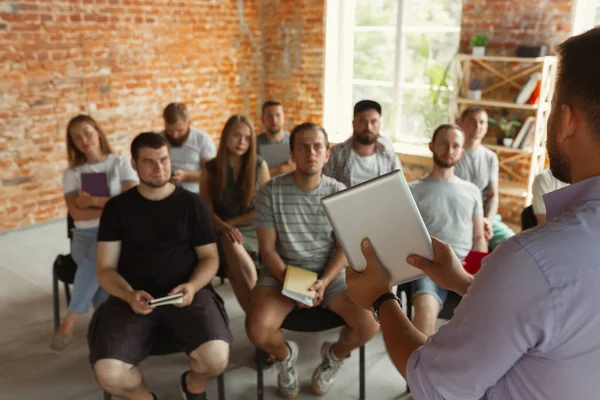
(452,211)
(273,118)
(190,148)
(293,229)
(479,165)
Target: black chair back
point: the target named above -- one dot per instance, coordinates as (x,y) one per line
(528,219)
(70,226)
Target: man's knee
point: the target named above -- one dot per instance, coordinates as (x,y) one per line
(212,357)
(110,373)
(256,329)
(426,303)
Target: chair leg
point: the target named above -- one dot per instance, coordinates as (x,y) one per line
(67,293)
(221,384)
(361,362)
(55,300)
(107,396)
(260,389)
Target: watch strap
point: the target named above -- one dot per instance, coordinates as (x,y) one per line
(381,299)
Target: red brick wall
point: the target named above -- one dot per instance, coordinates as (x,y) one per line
(129,58)
(509,23)
(294,55)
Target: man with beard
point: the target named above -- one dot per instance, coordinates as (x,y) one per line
(363,156)
(452,211)
(528,327)
(156,240)
(273,118)
(479,165)
(190,149)
(293,229)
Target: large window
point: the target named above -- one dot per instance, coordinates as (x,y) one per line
(397,52)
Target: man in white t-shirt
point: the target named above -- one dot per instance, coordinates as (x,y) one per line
(363,156)
(479,165)
(190,148)
(544,183)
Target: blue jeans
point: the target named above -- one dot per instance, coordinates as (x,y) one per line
(426,285)
(86,290)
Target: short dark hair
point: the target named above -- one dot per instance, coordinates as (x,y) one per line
(577,82)
(147,139)
(175,112)
(471,110)
(307,126)
(443,128)
(270,103)
(365,105)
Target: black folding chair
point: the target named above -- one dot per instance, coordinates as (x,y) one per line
(528,219)
(315,319)
(63,270)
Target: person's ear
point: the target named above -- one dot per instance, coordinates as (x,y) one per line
(569,119)
(431,146)
(133,164)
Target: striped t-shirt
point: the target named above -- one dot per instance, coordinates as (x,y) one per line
(304,236)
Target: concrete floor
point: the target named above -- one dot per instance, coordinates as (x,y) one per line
(29,371)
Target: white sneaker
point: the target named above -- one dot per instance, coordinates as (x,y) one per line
(324,375)
(287,379)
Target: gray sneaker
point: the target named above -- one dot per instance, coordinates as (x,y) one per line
(324,375)
(287,379)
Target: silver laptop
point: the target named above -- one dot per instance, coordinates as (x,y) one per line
(383,210)
(275,154)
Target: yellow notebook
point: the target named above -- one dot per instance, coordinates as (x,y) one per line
(297,284)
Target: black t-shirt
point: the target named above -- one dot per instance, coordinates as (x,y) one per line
(157,237)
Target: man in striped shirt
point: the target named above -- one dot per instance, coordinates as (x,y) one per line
(294,230)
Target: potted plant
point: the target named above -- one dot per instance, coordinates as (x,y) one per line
(478,43)
(475,87)
(507,128)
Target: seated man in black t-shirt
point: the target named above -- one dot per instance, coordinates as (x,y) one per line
(156,240)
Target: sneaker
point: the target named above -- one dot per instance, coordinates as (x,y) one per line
(324,374)
(287,379)
(60,341)
(185,393)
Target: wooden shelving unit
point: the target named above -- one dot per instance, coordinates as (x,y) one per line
(521,70)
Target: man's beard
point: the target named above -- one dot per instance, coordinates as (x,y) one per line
(365,139)
(559,164)
(180,140)
(443,164)
(152,184)
(274,131)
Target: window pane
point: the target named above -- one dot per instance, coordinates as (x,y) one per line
(419,116)
(428,55)
(376,12)
(433,13)
(382,95)
(374,55)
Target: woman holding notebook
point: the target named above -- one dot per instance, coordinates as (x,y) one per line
(229,184)
(93,177)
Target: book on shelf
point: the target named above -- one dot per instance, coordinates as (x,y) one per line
(523,133)
(95,184)
(297,284)
(528,89)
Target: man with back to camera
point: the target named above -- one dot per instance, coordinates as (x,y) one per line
(190,148)
(156,240)
(293,229)
(528,326)
(452,211)
(273,118)
(479,165)
(363,156)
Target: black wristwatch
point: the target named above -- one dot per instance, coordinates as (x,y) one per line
(380,300)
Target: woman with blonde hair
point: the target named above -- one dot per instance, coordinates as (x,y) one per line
(229,184)
(94,175)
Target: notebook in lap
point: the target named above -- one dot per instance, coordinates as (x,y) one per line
(95,184)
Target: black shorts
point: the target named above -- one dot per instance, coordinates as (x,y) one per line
(116,332)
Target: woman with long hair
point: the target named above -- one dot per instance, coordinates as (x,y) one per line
(229,184)
(94,175)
